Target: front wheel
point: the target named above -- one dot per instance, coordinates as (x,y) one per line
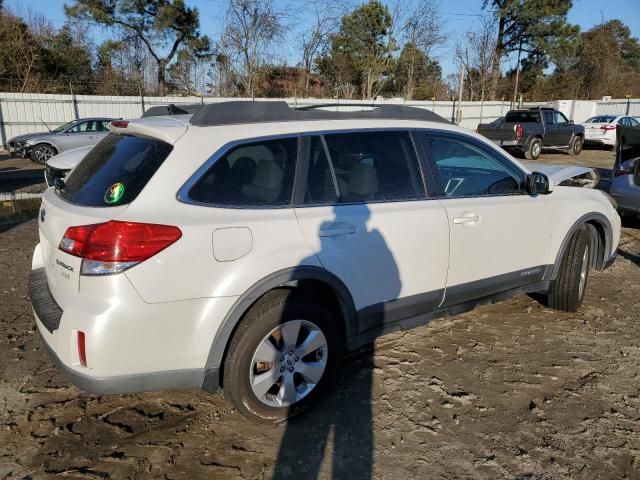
(534,150)
(567,290)
(42,152)
(284,355)
(575,147)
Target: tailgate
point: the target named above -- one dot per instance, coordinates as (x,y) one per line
(496,134)
(63,270)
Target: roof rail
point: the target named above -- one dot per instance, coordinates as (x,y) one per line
(238,112)
(171,109)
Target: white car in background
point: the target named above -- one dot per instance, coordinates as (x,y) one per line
(250,245)
(601,129)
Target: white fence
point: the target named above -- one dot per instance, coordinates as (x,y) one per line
(28,113)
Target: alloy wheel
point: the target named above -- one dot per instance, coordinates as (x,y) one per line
(288,363)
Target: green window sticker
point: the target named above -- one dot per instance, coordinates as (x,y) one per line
(114,193)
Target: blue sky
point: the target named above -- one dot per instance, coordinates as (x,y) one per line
(458,16)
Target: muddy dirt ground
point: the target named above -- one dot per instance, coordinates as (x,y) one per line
(512,390)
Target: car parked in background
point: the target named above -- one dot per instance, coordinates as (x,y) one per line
(60,165)
(40,147)
(625,185)
(529,131)
(249,245)
(601,129)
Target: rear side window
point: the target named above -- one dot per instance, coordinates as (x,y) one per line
(523,117)
(321,182)
(115,171)
(374,166)
(252,174)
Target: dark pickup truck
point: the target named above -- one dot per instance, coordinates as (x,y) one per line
(529,131)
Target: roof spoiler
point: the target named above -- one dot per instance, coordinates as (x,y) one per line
(238,112)
(171,109)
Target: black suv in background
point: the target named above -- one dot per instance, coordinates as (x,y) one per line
(528,131)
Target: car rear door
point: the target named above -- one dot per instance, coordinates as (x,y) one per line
(500,238)
(363,210)
(550,137)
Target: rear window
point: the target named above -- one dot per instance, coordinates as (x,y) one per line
(523,117)
(115,171)
(601,119)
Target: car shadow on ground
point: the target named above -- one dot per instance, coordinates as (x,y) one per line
(342,430)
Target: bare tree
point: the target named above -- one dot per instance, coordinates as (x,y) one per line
(327,14)
(475,54)
(252,28)
(422,33)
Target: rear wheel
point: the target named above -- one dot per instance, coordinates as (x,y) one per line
(575,147)
(567,290)
(42,152)
(534,150)
(284,355)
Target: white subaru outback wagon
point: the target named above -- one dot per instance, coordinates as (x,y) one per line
(250,245)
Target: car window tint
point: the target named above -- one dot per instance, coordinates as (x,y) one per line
(523,117)
(633,122)
(465,170)
(548,118)
(115,171)
(259,174)
(374,166)
(320,185)
(560,118)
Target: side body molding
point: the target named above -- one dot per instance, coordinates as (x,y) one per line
(552,271)
(284,277)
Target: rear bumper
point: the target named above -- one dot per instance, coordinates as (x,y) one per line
(141,382)
(131,346)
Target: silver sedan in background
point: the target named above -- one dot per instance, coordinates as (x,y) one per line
(40,147)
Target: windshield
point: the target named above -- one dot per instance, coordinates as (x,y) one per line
(115,171)
(62,128)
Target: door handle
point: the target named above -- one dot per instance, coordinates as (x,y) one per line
(336,229)
(468,219)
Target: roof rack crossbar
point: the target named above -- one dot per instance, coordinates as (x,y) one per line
(239,112)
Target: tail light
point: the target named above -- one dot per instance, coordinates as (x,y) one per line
(608,127)
(112,247)
(518,130)
(119,123)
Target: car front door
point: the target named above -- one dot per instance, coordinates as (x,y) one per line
(82,134)
(364,212)
(500,236)
(564,129)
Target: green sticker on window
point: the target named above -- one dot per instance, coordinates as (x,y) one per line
(114,193)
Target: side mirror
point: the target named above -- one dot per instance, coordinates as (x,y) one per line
(570,122)
(539,184)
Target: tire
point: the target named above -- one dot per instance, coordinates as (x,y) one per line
(567,290)
(575,147)
(42,152)
(534,150)
(263,324)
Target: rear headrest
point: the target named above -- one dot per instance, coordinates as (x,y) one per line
(266,183)
(363,180)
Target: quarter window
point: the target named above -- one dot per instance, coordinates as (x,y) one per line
(465,170)
(257,174)
(373,166)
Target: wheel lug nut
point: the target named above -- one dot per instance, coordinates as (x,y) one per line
(291,369)
(297,358)
(290,352)
(281,369)
(282,359)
